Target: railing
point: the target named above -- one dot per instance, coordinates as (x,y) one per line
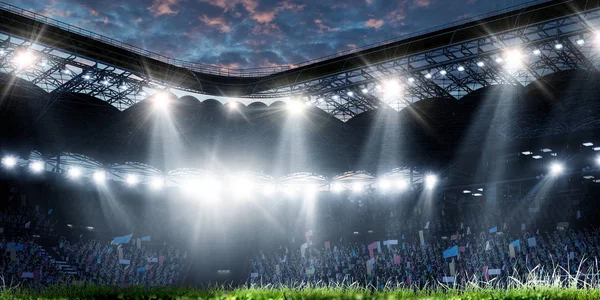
(250,72)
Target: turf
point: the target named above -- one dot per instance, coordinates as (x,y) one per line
(100,292)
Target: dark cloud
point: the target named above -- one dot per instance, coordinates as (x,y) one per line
(253,33)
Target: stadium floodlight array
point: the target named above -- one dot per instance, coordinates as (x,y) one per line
(36,166)
(431,181)
(556,168)
(9,162)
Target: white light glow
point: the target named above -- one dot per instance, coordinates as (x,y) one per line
(537,52)
(411,80)
(242,187)
(99,176)
(430,181)
(295,107)
(428,76)
(477,194)
(460,68)
(336,187)
(443,72)
(161,100)
(357,187)
(480,64)
(335,97)
(537,157)
(9,161)
(580,42)
(558,46)
(23,59)
(391,89)
(74,173)
(588,144)
(232,105)
(466,192)
(350,93)
(514,59)
(598,160)
(384,184)
(365,91)
(86,77)
(402,184)
(556,168)
(131,180)
(157,183)
(36,166)
(499,60)
(269,189)
(209,188)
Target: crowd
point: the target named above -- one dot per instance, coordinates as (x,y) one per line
(409,262)
(123,264)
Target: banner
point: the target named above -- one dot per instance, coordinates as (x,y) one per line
(125,239)
(120,252)
(373,246)
(303,249)
(397,260)
(532,242)
(421,238)
(27,275)
(146,238)
(511,250)
(495,271)
(448,279)
(388,243)
(124,261)
(516,243)
(451,252)
(494,229)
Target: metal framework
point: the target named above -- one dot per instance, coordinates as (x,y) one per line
(454,70)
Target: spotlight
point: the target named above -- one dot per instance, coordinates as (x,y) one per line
(99,176)
(558,46)
(86,77)
(157,183)
(537,52)
(428,76)
(335,97)
(514,59)
(365,91)
(336,187)
(232,105)
(350,93)
(161,100)
(23,59)
(9,161)
(556,168)
(36,166)
(580,42)
(480,64)
(295,107)
(391,89)
(131,180)
(460,68)
(411,80)
(74,173)
(402,184)
(430,181)
(66,71)
(443,72)
(499,60)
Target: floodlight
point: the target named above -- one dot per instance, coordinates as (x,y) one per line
(384,184)
(232,105)
(391,89)
(357,187)
(499,60)
(66,71)
(23,59)
(430,181)
(558,46)
(9,161)
(131,180)
(428,76)
(99,176)
(74,172)
(336,187)
(157,183)
(460,68)
(477,194)
(161,100)
(466,192)
(295,107)
(556,168)
(514,59)
(104,82)
(365,91)
(402,184)
(580,42)
(86,77)
(480,64)
(537,52)
(598,160)
(350,93)
(36,166)
(89,228)
(443,72)
(335,97)
(411,80)
(242,187)
(210,188)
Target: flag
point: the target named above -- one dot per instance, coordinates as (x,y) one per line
(146,238)
(303,249)
(452,268)
(27,225)
(327,245)
(451,252)
(308,234)
(396,259)
(494,229)
(516,243)
(421,238)
(161,260)
(487,246)
(124,261)
(532,242)
(511,249)
(468,230)
(125,239)
(372,247)
(427,225)
(486,275)
(370,264)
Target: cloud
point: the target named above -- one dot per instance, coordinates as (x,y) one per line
(163,7)
(217,23)
(374,23)
(263,17)
(422,3)
(324,28)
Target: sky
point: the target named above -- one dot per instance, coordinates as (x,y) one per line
(258,33)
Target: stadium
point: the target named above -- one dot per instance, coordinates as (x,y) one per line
(459,161)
